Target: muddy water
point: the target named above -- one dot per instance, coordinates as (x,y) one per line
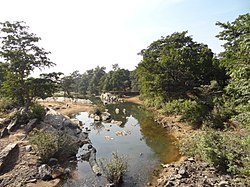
(145,144)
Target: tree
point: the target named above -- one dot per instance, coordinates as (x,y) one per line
(116,80)
(236,60)
(95,80)
(21,56)
(174,65)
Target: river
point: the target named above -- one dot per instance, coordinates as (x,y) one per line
(144,143)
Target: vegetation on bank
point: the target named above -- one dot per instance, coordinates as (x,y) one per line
(212,93)
(114,168)
(53,144)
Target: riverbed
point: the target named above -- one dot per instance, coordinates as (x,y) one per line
(144,143)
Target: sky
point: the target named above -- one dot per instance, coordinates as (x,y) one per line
(82,34)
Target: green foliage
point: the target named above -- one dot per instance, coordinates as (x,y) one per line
(236,59)
(21,56)
(37,111)
(53,144)
(178,107)
(116,80)
(173,65)
(114,168)
(227,151)
(6,104)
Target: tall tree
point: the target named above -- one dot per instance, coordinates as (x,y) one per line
(95,80)
(173,65)
(21,56)
(236,59)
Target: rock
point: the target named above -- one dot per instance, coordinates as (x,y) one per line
(117,110)
(93,163)
(31,125)
(191,159)
(4,132)
(182,171)
(31,181)
(223,184)
(106,116)
(13,125)
(108,138)
(4,121)
(97,118)
(67,171)
(119,123)
(121,133)
(5,156)
(45,172)
(28,148)
(53,162)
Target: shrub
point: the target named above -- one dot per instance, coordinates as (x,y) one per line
(37,111)
(227,151)
(52,144)
(114,168)
(6,104)
(178,107)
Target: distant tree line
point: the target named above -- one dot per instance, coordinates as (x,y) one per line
(97,80)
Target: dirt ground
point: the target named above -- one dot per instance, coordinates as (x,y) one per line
(68,108)
(135,99)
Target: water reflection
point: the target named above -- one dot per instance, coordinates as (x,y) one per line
(145,143)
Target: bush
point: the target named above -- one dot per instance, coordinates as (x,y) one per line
(6,104)
(114,168)
(37,111)
(178,107)
(52,144)
(227,151)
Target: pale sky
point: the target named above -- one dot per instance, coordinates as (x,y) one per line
(82,34)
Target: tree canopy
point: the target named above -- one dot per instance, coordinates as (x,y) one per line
(21,55)
(174,65)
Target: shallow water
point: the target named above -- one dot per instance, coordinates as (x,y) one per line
(145,144)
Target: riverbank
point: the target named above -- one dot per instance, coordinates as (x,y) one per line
(187,172)
(19,160)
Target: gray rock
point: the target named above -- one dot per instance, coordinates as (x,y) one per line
(97,118)
(5,155)
(28,148)
(45,172)
(14,125)
(31,125)
(53,162)
(4,132)
(106,116)
(223,184)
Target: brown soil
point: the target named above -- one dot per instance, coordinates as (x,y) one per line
(135,99)
(68,108)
